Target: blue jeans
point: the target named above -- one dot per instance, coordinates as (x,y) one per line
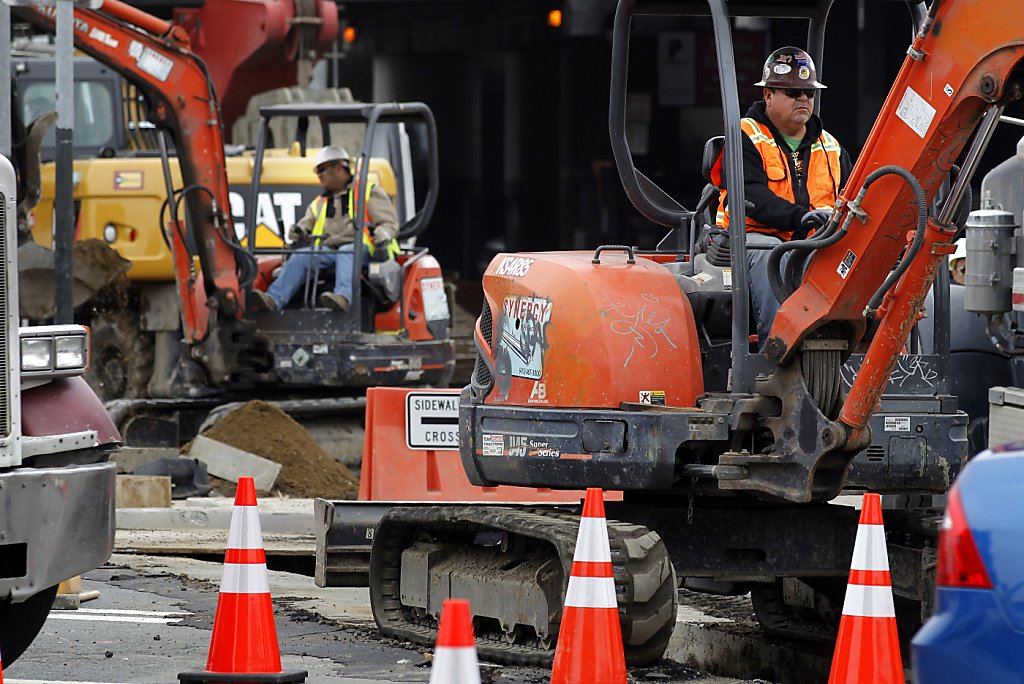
(293,274)
(761,295)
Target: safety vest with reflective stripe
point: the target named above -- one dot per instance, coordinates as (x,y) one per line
(821,175)
(319,209)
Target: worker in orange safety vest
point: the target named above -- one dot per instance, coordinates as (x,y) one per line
(793,170)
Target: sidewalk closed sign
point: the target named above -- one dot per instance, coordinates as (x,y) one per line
(432,420)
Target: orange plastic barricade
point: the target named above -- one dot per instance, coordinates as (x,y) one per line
(414,456)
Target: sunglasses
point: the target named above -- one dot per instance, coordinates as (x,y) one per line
(323,167)
(794,93)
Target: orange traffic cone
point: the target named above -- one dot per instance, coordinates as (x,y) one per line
(244,641)
(590,638)
(455,655)
(868,648)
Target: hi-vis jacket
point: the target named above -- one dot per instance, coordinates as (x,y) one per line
(779,194)
(339,229)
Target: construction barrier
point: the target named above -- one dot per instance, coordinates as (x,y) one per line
(589,645)
(868,647)
(244,641)
(455,652)
(410,453)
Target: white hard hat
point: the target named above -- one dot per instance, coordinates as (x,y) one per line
(332,153)
(961,250)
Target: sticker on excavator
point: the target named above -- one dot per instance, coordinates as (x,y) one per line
(517,267)
(915,111)
(128,180)
(520,348)
(846,264)
(435,301)
(432,421)
(154,64)
(493,445)
(897,423)
(652,397)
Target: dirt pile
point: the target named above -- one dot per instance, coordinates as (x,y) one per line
(306,471)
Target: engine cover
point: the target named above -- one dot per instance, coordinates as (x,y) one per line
(560,330)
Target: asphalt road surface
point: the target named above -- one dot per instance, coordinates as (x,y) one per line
(154,616)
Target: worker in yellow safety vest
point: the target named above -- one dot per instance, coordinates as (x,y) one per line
(327,230)
(793,170)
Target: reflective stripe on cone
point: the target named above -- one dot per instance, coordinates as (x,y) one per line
(589,647)
(867,647)
(244,640)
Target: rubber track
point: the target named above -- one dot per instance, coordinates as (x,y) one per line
(645,581)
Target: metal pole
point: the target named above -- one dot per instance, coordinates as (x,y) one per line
(64,234)
(5,68)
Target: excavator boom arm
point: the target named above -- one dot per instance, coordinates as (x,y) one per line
(965,61)
(154,55)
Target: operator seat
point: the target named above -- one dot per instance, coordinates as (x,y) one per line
(707,206)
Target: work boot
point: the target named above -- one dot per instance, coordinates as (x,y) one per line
(333,300)
(261,301)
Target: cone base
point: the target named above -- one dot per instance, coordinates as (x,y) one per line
(211,677)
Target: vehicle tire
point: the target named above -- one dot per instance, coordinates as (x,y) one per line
(21,622)
(121,356)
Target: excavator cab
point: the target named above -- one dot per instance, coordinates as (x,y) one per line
(396,330)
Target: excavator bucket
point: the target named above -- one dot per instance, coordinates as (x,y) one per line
(95,266)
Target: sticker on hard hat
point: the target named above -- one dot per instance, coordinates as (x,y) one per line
(782,69)
(804,73)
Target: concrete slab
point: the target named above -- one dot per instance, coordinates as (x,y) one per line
(229,463)
(204,542)
(277,515)
(130,458)
(142,491)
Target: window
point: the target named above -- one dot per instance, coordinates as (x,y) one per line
(94,111)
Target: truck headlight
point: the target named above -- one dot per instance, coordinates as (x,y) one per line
(72,352)
(37,353)
(54,350)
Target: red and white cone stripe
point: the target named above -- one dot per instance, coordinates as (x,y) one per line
(455,655)
(245,563)
(589,645)
(867,646)
(869,590)
(244,636)
(591,581)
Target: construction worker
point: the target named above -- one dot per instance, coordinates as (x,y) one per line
(958,262)
(327,232)
(793,170)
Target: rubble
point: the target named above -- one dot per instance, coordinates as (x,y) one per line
(306,471)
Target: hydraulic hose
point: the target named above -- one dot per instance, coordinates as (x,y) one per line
(796,264)
(245,263)
(915,245)
(829,236)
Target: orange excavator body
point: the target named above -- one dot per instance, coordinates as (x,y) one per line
(566,332)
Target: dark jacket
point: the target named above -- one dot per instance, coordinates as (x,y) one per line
(770,209)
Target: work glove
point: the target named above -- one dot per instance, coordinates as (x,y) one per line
(296,235)
(380,251)
(816,218)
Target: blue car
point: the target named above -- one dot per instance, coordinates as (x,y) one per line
(977,631)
